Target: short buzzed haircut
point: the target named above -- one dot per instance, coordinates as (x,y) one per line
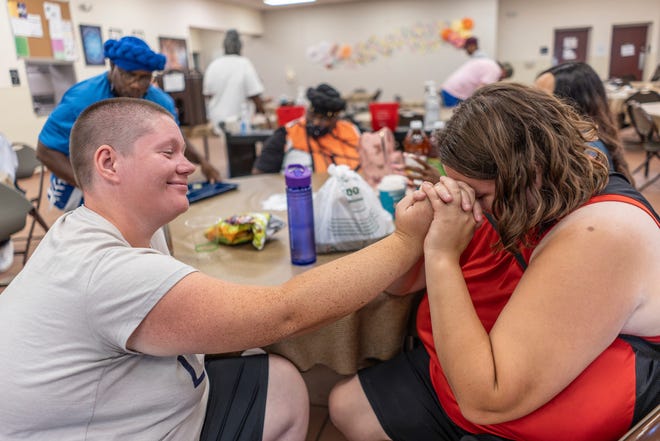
(232,42)
(117,122)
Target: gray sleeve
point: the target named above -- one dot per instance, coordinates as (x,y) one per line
(126,284)
(272,155)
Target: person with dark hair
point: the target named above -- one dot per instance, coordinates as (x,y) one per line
(473,74)
(229,81)
(106,340)
(132,64)
(318,139)
(579,84)
(471,46)
(540,324)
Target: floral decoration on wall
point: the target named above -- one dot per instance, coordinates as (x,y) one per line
(420,37)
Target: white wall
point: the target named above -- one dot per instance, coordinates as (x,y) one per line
(167,18)
(289,32)
(525,26)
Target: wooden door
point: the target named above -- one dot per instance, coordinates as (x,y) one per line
(628,51)
(570,45)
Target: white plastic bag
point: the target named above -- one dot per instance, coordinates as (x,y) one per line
(347,213)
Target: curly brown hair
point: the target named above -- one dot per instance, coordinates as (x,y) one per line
(534,147)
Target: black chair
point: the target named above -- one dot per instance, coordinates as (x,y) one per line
(27,165)
(647,429)
(15,208)
(647,131)
(644,96)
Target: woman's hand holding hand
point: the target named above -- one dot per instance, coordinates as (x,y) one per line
(456,216)
(413,217)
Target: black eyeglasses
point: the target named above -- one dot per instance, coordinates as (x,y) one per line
(141,79)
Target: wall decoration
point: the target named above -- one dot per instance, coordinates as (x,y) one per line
(420,37)
(92,45)
(457,32)
(176,52)
(115,33)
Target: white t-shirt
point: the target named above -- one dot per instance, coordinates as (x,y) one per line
(473,74)
(65,371)
(229,80)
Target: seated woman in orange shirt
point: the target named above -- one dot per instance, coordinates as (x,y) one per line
(316,140)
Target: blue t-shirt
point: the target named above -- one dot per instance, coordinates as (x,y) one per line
(57,129)
(598,144)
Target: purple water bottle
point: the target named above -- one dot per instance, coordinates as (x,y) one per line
(301,214)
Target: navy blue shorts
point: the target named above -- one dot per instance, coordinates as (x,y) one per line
(448,99)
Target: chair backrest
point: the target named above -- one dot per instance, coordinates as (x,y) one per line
(15,208)
(27,160)
(27,164)
(641,121)
(646,429)
(644,96)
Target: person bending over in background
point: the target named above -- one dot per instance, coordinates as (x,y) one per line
(229,81)
(132,63)
(318,139)
(100,342)
(540,324)
(579,85)
(473,74)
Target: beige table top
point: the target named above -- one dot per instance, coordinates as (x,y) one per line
(375,332)
(653,109)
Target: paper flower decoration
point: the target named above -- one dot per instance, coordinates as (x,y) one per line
(457,32)
(421,37)
(345,52)
(445,34)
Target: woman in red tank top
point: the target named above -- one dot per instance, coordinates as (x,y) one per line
(539,325)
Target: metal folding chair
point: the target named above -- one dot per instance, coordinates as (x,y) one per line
(27,165)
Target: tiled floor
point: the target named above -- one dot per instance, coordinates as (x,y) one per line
(319,379)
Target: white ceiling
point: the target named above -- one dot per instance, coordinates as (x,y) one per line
(259,4)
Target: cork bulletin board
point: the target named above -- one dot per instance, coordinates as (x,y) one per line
(42,29)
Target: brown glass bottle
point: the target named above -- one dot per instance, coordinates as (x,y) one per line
(416,141)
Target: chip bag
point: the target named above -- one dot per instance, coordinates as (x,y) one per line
(242,228)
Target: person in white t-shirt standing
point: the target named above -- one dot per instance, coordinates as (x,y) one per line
(229,81)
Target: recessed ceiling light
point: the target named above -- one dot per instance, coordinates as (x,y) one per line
(286,2)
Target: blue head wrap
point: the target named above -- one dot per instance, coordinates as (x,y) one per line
(131,53)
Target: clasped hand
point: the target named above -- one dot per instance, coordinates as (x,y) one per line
(444,215)
(456,215)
